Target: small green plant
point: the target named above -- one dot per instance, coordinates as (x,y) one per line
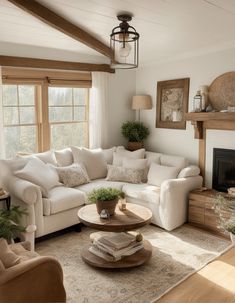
(222,205)
(134,131)
(104,194)
(10,222)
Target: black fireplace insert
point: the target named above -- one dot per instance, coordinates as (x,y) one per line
(223,169)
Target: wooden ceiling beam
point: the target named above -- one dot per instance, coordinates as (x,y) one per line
(54,20)
(53,64)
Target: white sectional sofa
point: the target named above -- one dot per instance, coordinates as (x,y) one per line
(58,210)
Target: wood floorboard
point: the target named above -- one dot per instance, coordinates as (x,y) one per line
(215,283)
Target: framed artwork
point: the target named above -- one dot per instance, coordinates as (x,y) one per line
(172,103)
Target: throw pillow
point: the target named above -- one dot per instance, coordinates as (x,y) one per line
(137,154)
(118,173)
(175,161)
(64,157)
(7,256)
(137,164)
(190,171)
(73,175)
(108,154)
(93,160)
(159,173)
(46,157)
(37,172)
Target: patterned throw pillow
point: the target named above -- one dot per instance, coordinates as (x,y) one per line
(73,175)
(130,175)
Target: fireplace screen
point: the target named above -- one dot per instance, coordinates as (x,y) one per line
(223,169)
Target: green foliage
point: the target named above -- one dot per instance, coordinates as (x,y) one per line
(10,222)
(221,204)
(134,131)
(104,194)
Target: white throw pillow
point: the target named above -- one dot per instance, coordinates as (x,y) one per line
(93,160)
(137,154)
(137,164)
(37,172)
(122,174)
(176,161)
(152,157)
(64,157)
(190,171)
(46,157)
(108,154)
(159,173)
(73,175)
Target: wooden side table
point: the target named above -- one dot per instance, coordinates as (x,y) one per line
(7,199)
(201,212)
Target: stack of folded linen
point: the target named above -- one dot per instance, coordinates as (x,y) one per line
(114,246)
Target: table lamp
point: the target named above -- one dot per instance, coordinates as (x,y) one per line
(141,102)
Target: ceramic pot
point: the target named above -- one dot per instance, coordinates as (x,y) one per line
(109,206)
(232,237)
(134,145)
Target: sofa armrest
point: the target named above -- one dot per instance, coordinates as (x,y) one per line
(37,280)
(174,200)
(24,190)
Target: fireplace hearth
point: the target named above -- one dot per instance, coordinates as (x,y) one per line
(223,169)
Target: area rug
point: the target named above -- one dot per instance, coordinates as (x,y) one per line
(176,255)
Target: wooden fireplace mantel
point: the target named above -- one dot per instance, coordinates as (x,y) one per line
(203,121)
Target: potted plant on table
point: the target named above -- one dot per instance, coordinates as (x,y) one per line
(135,132)
(105,199)
(222,207)
(10,225)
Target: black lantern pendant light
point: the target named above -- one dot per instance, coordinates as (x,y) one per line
(124,42)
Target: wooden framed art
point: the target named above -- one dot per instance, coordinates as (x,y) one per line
(172,103)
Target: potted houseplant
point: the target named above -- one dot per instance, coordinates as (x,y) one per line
(105,199)
(221,205)
(135,132)
(10,223)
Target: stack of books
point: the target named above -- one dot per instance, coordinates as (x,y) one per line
(113,247)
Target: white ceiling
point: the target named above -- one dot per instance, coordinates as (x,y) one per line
(168,28)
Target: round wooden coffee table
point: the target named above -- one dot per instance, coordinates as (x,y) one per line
(135,216)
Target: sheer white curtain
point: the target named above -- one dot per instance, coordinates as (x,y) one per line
(2,146)
(98,116)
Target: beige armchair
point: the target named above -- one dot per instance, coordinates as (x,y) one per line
(37,279)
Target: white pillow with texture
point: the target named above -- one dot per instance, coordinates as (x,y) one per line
(37,172)
(46,157)
(190,171)
(73,175)
(159,173)
(122,174)
(64,157)
(137,164)
(93,160)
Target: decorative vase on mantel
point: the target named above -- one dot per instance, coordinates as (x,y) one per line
(132,146)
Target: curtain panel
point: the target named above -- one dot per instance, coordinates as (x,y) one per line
(2,145)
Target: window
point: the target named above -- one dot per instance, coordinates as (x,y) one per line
(68,116)
(20,119)
(44,109)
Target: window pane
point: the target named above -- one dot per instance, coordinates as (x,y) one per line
(60,96)
(27,115)
(64,135)
(9,94)
(57,114)
(79,96)
(20,138)
(11,116)
(26,94)
(79,113)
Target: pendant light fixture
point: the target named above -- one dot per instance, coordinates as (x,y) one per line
(124,42)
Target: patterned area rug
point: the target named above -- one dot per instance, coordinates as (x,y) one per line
(176,255)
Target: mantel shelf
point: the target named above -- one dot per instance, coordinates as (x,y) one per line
(202,116)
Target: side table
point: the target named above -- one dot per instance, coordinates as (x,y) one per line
(7,199)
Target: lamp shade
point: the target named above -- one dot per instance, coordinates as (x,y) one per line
(141,102)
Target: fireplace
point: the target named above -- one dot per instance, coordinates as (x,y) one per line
(223,169)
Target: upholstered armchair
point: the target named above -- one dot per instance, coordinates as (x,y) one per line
(34,279)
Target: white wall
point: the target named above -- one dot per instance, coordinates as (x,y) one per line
(121,90)
(202,71)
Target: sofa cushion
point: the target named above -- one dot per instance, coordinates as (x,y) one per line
(7,256)
(152,157)
(119,173)
(175,161)
(62,198)
(145,192)
(64,157)
(37,172)
(93,160)
(108,154)
(137,164)
(46,157)
(159,173)
(95,184)
(190,171)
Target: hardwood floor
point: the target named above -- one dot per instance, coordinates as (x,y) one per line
(215,283)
